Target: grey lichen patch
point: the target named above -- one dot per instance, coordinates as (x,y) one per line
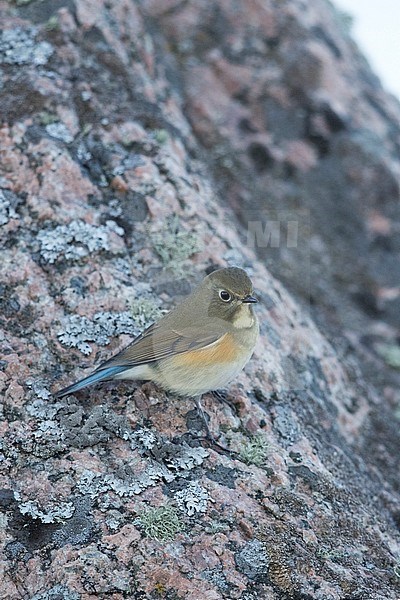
(51,514)
(151,476)
(166,462)
(184,458)
(193,499)
(18,47)
(130,161)
(143,439)
(217,577)
(177,458)
(46,440)
(8,201)
(255,451)
(60,131)
(175,245)
(144,311)
(42,410)
(113,518)
(58,592)
(396,569)
(82,430)
(75,240)
(216,527)
(161,523)
(90,483)
(252,560)
(39,388)
(77,531)
(325,552)
(78,331)
(286,422)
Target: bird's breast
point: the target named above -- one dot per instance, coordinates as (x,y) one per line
(198,371)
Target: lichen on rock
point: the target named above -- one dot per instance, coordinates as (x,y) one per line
(79,331)
(73,241)
(18,46)
(160,523)
(193,499)
(59,512)
(8,203)
(140,142)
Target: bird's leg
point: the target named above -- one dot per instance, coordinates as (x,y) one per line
(210,436)
(202,414)
(221,395)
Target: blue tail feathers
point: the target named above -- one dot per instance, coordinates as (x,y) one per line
(101,375)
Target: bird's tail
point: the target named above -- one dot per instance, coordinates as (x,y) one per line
(101,375)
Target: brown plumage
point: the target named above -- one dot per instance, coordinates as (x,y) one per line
(200,345)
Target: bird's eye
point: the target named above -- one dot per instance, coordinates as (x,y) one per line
(225,296)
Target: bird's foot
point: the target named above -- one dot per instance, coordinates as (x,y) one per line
(209,437)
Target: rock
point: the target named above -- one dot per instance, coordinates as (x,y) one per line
(133,136)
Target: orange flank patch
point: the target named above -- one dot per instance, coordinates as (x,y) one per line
(224,350)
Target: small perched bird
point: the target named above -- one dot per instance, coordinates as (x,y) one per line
(199,346)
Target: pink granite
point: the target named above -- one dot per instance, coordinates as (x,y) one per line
(110,211)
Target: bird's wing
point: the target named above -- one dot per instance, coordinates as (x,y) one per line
(156,343)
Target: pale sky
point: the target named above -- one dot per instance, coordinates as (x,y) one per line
(376,29)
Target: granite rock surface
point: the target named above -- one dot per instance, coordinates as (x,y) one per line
(140,142)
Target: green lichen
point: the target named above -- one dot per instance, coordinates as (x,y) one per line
(161,136)
(345,19)
(255,451)
(390,354)
(216,527)
(144,311)
(161,523)
(47,118)
(325,553)
(174,246)
(52,24)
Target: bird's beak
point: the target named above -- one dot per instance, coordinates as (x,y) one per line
(249,299)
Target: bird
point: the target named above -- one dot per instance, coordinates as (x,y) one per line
(199,346)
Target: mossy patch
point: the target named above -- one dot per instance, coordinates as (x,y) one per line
(390,354)
(175,245)
(255,450)
(161,523)
(144,311)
